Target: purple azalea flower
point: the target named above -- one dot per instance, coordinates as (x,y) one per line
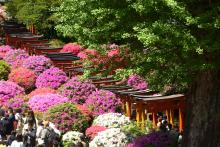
(9,90)
(103,101)
(43,102)
(155,139)
(37,63)
(15,57)
(51,78)
(16,102)
(137,82)
(76,90)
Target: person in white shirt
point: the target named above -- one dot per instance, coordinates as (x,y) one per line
(40,129)
(18,118)
(18,141)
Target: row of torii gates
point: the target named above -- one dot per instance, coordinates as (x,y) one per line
(143,102)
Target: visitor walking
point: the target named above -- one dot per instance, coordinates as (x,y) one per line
(11,119)
(40,128)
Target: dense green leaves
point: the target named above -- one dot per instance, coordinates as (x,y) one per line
(96,22)
(37,12)
(180,37)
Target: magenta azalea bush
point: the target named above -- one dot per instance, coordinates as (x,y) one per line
(137,82)
(154,139)
(42,91)
(77,91)
(4,49)
(37,63)
(9,90)
(92,131)
(16,102)
(15,57)
(51,78)
(71,48)
(23,77)
(67,117)
(42,103)
(103,101)
(19,60)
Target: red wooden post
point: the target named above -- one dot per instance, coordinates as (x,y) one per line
(128,108)
(180,120)
(154,120)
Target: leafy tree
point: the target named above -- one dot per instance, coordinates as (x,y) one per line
(182,45)
(97,22)
(37,12)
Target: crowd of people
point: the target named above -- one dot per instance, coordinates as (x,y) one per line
(20,128)
(164,126)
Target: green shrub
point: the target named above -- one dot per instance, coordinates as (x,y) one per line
(132,131)
(56,43)
(4,70)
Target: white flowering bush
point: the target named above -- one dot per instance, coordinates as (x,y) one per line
(112,137)
(71,138)
(111,120)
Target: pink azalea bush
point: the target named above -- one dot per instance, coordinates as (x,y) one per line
(42,91)
(137,82)
(113,52)
(51,78)
(87,52)
(42,103)
(71,48)
(15,57)
(4,49)
(103,101)
(23,77)
(84,110)
(92,131)
(77,91)
(67,117)
(117,54)
(37,63)
(9,90)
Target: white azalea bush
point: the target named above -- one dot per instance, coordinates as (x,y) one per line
(112,137)
(111,120)
(72,138)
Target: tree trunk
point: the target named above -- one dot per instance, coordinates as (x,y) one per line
(202,125)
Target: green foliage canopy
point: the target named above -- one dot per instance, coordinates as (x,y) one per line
(37,12)
(179,37)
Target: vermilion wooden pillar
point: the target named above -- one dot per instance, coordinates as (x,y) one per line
(154,120)
(168,115)
(128,108)
(171,117)
(143,118)
(139,113)
(180,120)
